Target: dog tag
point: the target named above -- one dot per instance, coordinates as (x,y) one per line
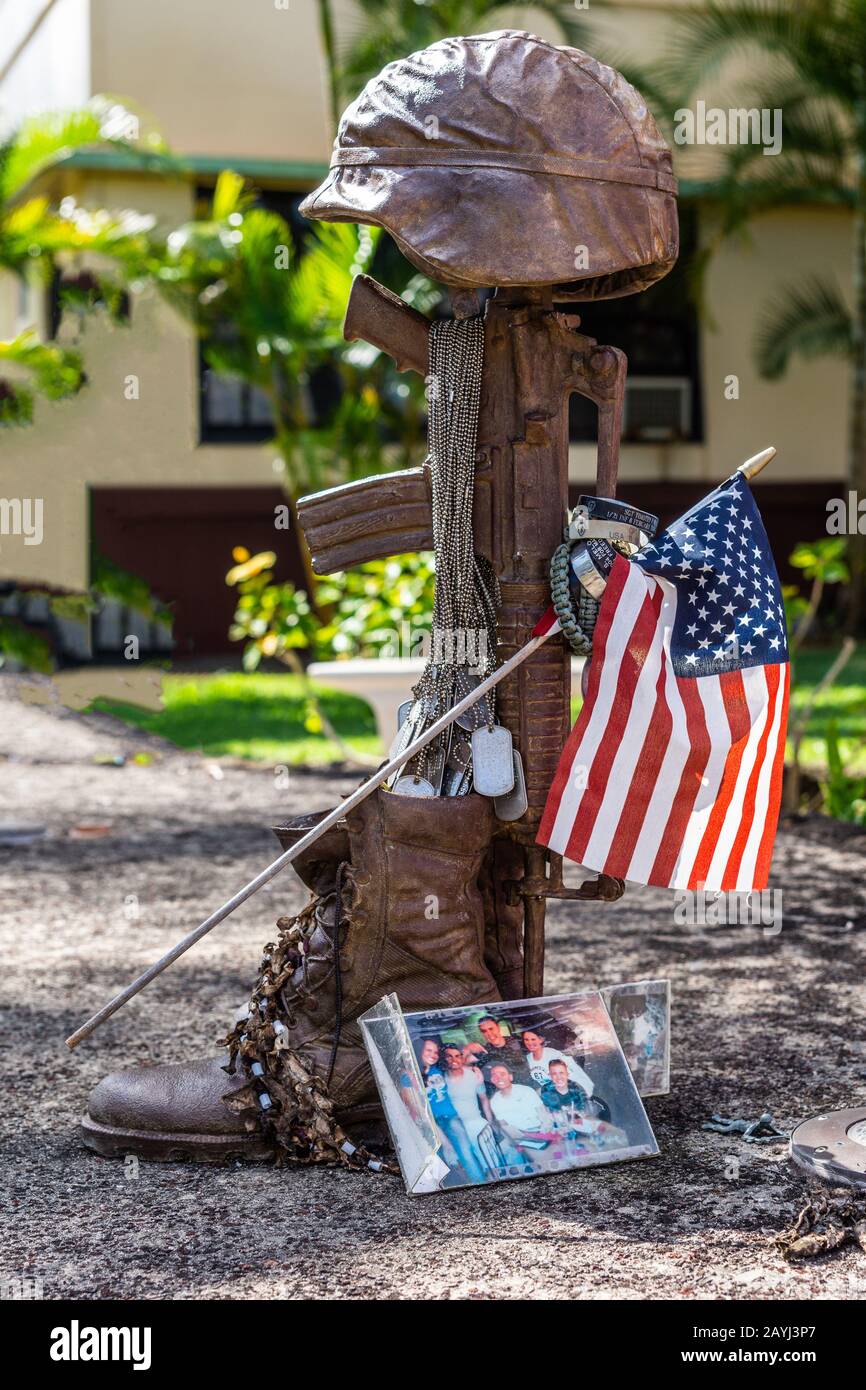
(458,765)
(409,729)
(456,782)
(437,759)
(403,712)
(476,714)
(492,760)
(515,803)
(413,786)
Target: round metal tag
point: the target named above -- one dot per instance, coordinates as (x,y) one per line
(833,1146)
(413,786)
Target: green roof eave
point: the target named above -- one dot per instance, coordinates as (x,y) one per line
(125,161)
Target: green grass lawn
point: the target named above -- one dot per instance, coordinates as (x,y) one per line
(262,717)
(265,717)
(844,702)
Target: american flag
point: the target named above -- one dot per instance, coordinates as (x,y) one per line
(672,774)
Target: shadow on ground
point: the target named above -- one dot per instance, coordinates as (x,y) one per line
(761,1021)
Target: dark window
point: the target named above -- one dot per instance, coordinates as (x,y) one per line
(658,332)
(70,288)
(231,410)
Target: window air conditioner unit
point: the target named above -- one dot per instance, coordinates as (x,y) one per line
(658,408)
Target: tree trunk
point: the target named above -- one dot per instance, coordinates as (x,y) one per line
(326,30)
(856,617)
(287,415)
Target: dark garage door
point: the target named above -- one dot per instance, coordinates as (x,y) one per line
(180,540)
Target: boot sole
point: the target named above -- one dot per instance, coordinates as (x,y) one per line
(364,1124)
(165,1147)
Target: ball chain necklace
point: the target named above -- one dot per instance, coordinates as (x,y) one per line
(466,598)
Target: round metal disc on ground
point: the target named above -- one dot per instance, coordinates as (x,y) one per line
(833,1146)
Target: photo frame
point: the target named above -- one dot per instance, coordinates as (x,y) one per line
(641,1014)
(497,1092)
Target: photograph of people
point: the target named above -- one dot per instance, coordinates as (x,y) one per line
(444,1112)
(575,1115)
(519,1114)
(528,1087)
(468,1094)
(498,1046)
(539,1056)
(640,1014)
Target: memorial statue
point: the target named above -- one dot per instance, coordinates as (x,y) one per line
(523,177)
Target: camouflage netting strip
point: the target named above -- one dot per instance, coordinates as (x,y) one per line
(283,1099)
(827,1221)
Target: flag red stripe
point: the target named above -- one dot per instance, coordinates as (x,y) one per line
(604,622)
(765,849)
(739,723)
(690,784)
(546,623)
(642,783)
(633,660)
(747,811)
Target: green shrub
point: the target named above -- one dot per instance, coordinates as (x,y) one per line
(381,609)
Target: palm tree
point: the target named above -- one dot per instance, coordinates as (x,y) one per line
(39,241)
(271,315)
(814,60)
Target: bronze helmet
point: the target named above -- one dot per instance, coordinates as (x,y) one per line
(501,159)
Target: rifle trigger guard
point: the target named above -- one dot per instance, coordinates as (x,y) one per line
(604,888)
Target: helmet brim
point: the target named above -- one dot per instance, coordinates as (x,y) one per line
(593,239)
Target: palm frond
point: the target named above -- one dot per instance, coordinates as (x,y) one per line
(815,165)
(231,196)
(318,291)
(376,32)
(814,43)
(816,142)
(33,235)
(37,368)
(797,182)
(45,140)
(808,320)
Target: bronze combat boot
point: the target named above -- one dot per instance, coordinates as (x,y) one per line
(503,917)
(396,908)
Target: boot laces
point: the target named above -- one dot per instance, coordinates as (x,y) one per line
(283,1097)
(296,934)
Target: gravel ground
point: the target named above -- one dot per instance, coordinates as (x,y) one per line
(135,855)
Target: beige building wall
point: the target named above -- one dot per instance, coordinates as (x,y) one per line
(805,414)
(234,82)
(106,435)
(222,77)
